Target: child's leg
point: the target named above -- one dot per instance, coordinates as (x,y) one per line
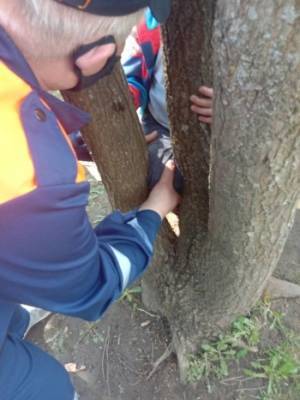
(160,152)
(29,373)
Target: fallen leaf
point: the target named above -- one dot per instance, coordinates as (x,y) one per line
(145,324)
(73,368)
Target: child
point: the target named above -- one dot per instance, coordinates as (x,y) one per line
(144,69)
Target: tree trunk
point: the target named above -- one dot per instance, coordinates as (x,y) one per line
(115,139)
(242,181)
(254,165)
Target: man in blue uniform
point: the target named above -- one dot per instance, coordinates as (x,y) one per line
(50,257)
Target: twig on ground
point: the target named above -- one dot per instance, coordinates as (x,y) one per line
(147,312)
(251,389)
(105,361)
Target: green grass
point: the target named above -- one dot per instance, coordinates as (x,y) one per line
(130,296)
(214,357)
(280,368)
(277,367)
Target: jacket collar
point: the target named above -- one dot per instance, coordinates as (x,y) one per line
(72,118)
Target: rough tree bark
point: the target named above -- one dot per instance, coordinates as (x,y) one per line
(254,166)
(243,182)
(115,139)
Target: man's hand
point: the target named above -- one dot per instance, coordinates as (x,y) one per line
(163,198)
(202,104)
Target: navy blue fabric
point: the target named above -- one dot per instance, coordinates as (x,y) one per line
(19,322)
(28,373)
(51,258)
(57,165)
(7,311)
(109,228)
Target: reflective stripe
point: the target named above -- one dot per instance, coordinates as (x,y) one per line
(36,315)
(125,266)
(134,223)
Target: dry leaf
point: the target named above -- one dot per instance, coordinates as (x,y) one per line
(73,368)
(145,324)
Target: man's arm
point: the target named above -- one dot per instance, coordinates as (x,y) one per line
(50,257)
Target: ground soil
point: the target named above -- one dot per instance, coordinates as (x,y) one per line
(115,356)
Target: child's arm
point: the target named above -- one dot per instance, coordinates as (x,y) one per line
(139,58)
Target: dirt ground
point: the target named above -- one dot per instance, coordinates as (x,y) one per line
(114,358)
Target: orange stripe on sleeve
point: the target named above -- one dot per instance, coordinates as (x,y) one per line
(17,174)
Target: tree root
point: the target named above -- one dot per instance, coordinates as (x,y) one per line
(169,350)
(277,289)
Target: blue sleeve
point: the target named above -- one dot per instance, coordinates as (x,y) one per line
(136,72)
(50,256)
(144,226)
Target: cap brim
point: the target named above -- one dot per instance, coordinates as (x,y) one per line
(160,9)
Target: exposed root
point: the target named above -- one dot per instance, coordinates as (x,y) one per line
(277,289)
(169,350)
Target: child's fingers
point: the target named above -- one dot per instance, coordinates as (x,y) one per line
(205,120)
(207,112)
(201,101)
(206,91)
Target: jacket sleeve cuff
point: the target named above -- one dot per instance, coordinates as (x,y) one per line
(150,221)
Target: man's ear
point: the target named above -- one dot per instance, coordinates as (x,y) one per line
(95,59)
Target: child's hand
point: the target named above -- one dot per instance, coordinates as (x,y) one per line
(163,198)
(202,104)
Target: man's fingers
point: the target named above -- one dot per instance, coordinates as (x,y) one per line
(201,101)
(207,112)
(150,137)
(206,91)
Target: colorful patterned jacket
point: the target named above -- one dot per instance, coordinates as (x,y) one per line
(140,57)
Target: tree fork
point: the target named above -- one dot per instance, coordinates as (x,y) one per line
(118,147)
(241,185)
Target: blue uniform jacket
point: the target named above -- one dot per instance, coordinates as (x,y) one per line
(50,256)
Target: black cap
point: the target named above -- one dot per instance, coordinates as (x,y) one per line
(160,8)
